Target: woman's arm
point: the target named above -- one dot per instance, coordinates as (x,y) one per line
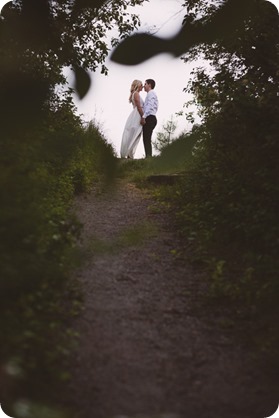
(137,103)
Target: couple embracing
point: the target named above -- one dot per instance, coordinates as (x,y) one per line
(142,119)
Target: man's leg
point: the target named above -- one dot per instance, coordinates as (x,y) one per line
(148,127)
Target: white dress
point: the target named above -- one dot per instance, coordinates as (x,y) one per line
(132,132)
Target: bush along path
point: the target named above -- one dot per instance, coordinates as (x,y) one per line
(151,345)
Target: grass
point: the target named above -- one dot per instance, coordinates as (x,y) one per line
(174,159)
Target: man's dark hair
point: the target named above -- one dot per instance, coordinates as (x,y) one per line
(151,82)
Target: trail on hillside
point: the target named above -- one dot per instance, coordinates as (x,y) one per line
(149,344)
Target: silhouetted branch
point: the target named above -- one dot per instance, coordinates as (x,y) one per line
(218,26)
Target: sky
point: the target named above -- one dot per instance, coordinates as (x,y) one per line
(107,101)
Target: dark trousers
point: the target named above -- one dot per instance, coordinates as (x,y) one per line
(148,127)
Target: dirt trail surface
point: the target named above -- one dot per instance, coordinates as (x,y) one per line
(149,345)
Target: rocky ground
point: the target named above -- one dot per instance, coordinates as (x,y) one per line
(150,343)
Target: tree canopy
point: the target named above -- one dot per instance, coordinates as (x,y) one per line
(39,38)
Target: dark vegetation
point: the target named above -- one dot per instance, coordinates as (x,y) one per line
(226,201)
(48,157)
(43,170)
(225,204)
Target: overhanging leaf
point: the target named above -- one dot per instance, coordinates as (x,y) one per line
(82,81)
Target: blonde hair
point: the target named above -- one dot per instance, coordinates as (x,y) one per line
(136,84)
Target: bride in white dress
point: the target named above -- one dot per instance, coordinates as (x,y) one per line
(133,128)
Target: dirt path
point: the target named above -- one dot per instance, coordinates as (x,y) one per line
(149,346)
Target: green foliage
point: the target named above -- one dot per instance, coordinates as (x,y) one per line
(228,201)
(43,169)
(47,158)
(47,37)
(39,39)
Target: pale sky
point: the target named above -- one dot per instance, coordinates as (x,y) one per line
(107,100)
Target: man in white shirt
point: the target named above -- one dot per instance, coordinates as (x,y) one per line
(149,120)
